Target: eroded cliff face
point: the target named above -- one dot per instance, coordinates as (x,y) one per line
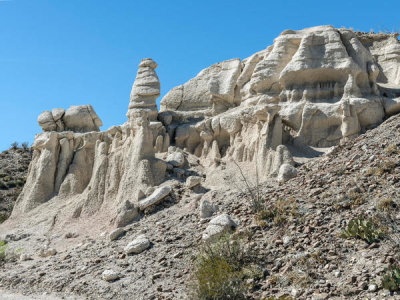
(311,88)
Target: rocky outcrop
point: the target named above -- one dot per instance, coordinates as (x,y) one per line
(77,118)
(312,88)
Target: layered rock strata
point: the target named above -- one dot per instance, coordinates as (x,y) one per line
(311,88)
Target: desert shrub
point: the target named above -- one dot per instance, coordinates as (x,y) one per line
(3,216)
(25,145)
(11,184)
(350,200)
(386,204)
(3,248)
(6,178)
(363,228)
(3,186)
(391,280)
(386,215)
(392,149)
(20,182)
(220,270)
(279,212)
(14,145)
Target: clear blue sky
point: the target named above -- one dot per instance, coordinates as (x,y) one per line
(58,53)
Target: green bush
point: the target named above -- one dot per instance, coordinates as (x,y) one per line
(221,268)
(3,186)
(391,280)
(364,229)
(14,145)
(3,248)
(3,216)
(11,184)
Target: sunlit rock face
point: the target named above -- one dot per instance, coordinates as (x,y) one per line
(312,88)
(325,84)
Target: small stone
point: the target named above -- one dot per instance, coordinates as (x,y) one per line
(155,197)
(177,159)
(286,240)
(47,252)
(192,181)
(207,209)
(286,172)
(138,245)
(115,234)
(219,225)
(372,287)
(24,257)
(295,293)
(109,275)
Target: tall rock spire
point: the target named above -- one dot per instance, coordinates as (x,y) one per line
(145,91)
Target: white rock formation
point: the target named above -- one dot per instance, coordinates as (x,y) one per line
(77,118)
(311,88)
(145,90)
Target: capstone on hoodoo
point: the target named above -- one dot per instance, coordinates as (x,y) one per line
(311,88)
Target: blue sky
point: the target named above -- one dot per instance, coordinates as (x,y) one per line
(58,53)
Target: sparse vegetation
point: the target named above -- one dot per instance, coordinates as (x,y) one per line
(391,280)
(3,248)
(363,228)
(3,216)
(14,145)
(279,212)
(386,204)
(221,268)
(25,145)
(256,200)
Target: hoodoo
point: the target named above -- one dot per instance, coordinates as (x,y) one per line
(312,88)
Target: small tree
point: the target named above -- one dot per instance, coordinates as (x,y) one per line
(14,145)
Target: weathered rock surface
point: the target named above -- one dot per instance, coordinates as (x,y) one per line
(193,181)
(77,118)
(138,245)
(218,226)
(115,234)
(155,197)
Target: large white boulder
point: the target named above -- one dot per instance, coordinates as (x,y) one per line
(81,118)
